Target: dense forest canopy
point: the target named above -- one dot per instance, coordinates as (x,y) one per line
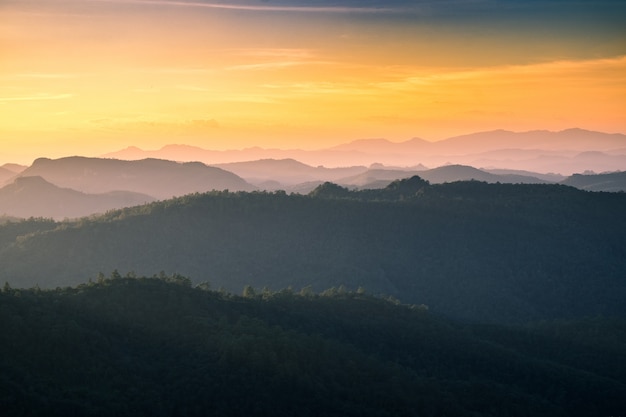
(471,250)
(159,346)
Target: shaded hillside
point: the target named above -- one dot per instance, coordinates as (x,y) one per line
(613,182)
(158,178)
(35,197)
(545,178)
(159,347)
(15,229)
(495,252)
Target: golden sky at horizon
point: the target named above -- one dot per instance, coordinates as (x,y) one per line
(89,77)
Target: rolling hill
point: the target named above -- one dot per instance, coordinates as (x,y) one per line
(612,182)
(489,252)
(157,346)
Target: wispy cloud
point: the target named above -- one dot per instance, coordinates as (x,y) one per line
(506,73)
(37,97)
(47,76)
(270,65)
(292,53)
(194,88)
(258,8)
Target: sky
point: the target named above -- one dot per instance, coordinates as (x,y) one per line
(86,77)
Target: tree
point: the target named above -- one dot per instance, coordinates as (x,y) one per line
(248,292)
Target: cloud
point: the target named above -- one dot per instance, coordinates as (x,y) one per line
(48,76)
(588,69)
(270,65)
(451,8)
(194,88)
(203,123)
(259,8)
(291,53)
(36,97)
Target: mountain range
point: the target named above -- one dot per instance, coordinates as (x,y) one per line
(565,152)
(77,186)
(8,171)
(611,182)
(158,178)
(35,197)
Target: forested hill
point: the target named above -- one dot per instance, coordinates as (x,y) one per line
(157,346)
(487,252)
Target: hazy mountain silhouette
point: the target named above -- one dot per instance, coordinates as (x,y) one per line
(9,171)
(35,197)
(615,181)
(569,139)
(5,174)
(287,172)
(539,151)
(377,178)
(375,146)
(158,178)
(451,173)
(380,178)
(293,176)
(516,172)
(15,168)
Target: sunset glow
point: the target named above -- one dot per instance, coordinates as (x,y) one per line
(90,77)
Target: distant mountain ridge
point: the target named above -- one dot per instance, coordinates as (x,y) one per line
(613,182)
(158,178)
(292,176)
(35,197)
(564,152)
(286,171)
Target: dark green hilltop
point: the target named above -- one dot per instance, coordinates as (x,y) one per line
(128,346)
(500,253)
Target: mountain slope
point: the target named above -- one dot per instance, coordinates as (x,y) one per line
(35,197)
(8,171)
(286,171)
(156,346)
(5,174)
(613,182)
(158,178)
(447,173)
(491,252)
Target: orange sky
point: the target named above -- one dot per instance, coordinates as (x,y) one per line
(88,77)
